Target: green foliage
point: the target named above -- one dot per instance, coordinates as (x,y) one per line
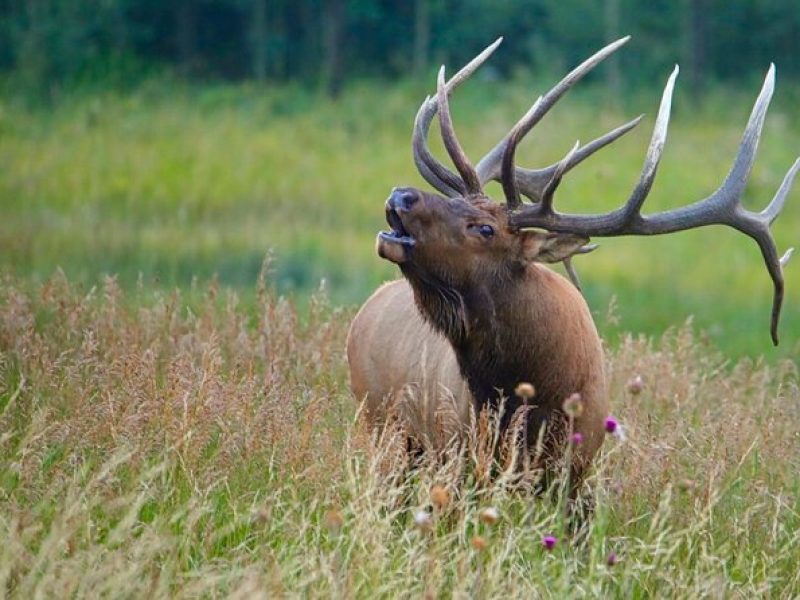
(50,44)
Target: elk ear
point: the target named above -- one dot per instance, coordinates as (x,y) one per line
(548,247)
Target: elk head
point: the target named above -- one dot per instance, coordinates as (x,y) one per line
(462,239)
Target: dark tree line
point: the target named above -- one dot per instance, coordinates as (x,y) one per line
(48,44)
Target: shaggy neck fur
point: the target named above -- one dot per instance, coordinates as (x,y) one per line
(524,325)
(502,334)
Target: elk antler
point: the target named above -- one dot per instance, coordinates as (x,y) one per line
(532,182)
(431,169)
(722,207)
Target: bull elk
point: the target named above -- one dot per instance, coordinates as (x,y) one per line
(476,313)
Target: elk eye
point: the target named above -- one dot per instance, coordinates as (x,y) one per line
(486,231)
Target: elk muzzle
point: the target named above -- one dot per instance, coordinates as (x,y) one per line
(396,244)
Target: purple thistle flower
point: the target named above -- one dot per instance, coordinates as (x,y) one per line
(612,559)
(549,542)
(577,438)
(611,424)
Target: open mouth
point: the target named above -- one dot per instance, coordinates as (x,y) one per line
(398,233)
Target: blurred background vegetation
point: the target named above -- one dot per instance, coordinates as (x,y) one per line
(164,141)
(52,44)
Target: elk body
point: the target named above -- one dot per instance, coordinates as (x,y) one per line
(476,312)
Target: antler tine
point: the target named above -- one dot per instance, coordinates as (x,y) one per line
(785,258)
(507,146)
(508,177)
(555,180)
(775,207)
(722,207)
(766,242)
(531,182)
(431,169)
(654,151)
(434,172)
(457,154)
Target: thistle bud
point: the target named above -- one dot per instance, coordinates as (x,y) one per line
(573,406)
(549,542)
(525,390)
(423,521)
(611,424)
(490,515)
(333,520)
(440,497)
(635,385)
(479,543)
(260,516)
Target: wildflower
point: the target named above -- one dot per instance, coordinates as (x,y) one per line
(333,520)
(490,515)
(573,406)
(440,497)
(611,424)
(576,438)
(423,520)
(614,428)
(635,385)
(549,542)
(612,559)
(525,390)
(479,543)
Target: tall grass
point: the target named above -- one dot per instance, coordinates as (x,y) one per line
(171,183)
(160,445)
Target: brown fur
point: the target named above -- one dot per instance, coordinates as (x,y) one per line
(482,312)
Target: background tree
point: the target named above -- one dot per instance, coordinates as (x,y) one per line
(333,38)
(48,44)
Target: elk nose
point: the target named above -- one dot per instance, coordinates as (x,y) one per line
(402,199)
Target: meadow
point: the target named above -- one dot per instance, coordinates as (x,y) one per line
(158,447)
(168,183)
(174,413)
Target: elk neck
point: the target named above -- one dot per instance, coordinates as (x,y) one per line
(504,332)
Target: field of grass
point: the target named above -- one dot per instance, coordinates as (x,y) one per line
(169,184)
(175,420)
(161,447)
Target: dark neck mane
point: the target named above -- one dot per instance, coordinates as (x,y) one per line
(483,325)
